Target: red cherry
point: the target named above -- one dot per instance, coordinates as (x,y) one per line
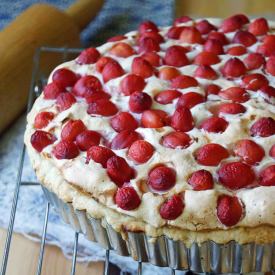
(90,98)
(236,50)
(65,150)
(52,91)
(142,67)
(254,61)
(99,154)
(231,108)
(176,140)
(206,58)
(272,151)
(122,49)
(267,176)
(123,121)
(231,24)
(206,72)
(167,96)
(148,44)
(153,119)
(168,73)
(242,17)
(212,89)
(268,93)
(147,26)
(88,56)
(119,171)
(172,208)
(111,70)
(249,151)
(189,100)
(266,49)
(64,77)
(201,180)
(117,38)
(102,107)
(162,178)
(235,94)
(152,35)
(152,58)
(182,120)
(270,65)
(127,198)
(174,32)
(218,36)
(102,61)
(72,129)
(41,139)
(229,210)
(214,125)
(204,27)
(254,81)
(87,139)
(141,151)
(214,46)
(263,127)
(64,101)
(124,139)
(211,154)
(87,85)
(236,175)
(191,35)
(269,39)
(245,38)
(176,56)
(233,67)
(139,102)
(259,26)
(182,19)
(42,119)
(132,83)
(184,81)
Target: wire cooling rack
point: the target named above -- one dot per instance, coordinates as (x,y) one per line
(39,79)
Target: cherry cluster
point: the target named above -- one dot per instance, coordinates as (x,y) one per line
(250,72)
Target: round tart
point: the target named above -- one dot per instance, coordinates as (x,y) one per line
(166,130)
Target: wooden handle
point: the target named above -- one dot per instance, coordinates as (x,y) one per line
(82,11)
(40,25)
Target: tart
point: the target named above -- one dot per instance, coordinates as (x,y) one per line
(166,130)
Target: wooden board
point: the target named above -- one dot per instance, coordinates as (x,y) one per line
(223,8)
(24,255)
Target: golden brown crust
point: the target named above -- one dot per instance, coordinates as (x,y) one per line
(122,223)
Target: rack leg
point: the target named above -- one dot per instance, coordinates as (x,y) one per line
(74,254)
(106,265)
(42,245)
(139,268)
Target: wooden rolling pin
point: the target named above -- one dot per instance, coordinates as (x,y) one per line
(39,25)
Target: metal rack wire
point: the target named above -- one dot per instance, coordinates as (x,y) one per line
(37,82)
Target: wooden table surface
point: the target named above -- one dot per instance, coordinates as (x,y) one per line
(24,255)
(224,8)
